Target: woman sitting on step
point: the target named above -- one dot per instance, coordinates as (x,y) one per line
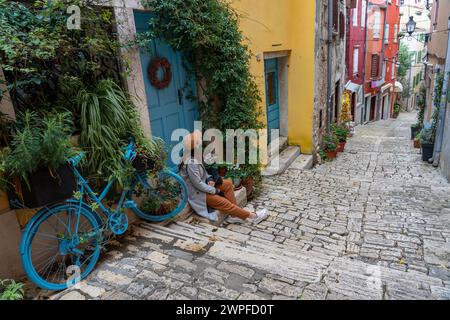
(205,192)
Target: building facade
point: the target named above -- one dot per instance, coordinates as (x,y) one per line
(355,57)
(435,68)
(329,65)
(416,45)
(381,55)
(392,45)
(436,54)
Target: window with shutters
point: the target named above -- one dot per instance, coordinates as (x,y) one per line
(375,66)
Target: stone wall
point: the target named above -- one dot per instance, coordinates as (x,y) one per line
(10,233)
(445,154)
(320,115)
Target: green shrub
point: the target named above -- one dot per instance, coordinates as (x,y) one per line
(340,131)
(330,142)
(11,290)
(426,136)
(38,141)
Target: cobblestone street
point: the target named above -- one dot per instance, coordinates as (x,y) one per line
(373,224)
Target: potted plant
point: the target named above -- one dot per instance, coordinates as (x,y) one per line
(330,145)
(397,110)
(341,134)
(417,141)
(234,173)
(415,129)
(35,164)
(427,144)
(250,174)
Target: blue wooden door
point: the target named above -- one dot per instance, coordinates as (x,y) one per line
(169,108)
(272,95)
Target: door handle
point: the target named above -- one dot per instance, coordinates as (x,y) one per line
(180,97)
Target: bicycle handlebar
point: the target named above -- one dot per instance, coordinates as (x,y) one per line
(130,154)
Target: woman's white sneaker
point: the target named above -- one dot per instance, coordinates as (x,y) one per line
(261,215)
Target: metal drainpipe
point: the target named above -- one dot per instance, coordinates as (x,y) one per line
(330,61)
(365,61)
(442,107)
(380,94)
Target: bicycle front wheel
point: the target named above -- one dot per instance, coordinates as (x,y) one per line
(159,198)
(61,246)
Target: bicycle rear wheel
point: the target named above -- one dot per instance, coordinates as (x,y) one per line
(159,198)
(61,246)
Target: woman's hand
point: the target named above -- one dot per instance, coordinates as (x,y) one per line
(212,183)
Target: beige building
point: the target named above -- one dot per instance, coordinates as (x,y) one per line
(416,44)
(436,52)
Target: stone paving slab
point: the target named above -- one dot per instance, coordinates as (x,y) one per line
(373,224)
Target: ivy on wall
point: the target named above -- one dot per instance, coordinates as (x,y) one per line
(207,32)
(437,102)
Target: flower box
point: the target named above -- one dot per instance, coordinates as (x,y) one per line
(43,188)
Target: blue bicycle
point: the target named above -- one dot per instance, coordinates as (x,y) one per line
(62,243)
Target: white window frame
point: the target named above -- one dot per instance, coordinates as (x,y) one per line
(363,13)
(355,60)
(355,14)
(377,25)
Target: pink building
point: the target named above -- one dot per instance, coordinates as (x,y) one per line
(355,60)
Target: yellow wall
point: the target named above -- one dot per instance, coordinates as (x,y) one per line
(290,23)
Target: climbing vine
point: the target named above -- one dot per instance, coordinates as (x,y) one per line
(437,102)
(207,32)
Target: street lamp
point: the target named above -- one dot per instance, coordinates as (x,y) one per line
(411,26)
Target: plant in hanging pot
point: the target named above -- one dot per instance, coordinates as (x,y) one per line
(341,134)
(330,145)
(427,144)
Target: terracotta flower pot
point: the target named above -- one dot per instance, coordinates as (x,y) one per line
(248,184)
(341,146)
(223,171)
(416,144)
(331,154)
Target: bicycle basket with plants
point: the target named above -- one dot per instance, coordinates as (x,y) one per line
(161,198)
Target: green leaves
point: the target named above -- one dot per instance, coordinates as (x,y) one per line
(11,290)
(38,142)
(208,32)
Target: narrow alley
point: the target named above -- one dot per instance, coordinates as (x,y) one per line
(373,224)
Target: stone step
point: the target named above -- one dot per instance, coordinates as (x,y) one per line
(303,162)
(276,147)
(281,163)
